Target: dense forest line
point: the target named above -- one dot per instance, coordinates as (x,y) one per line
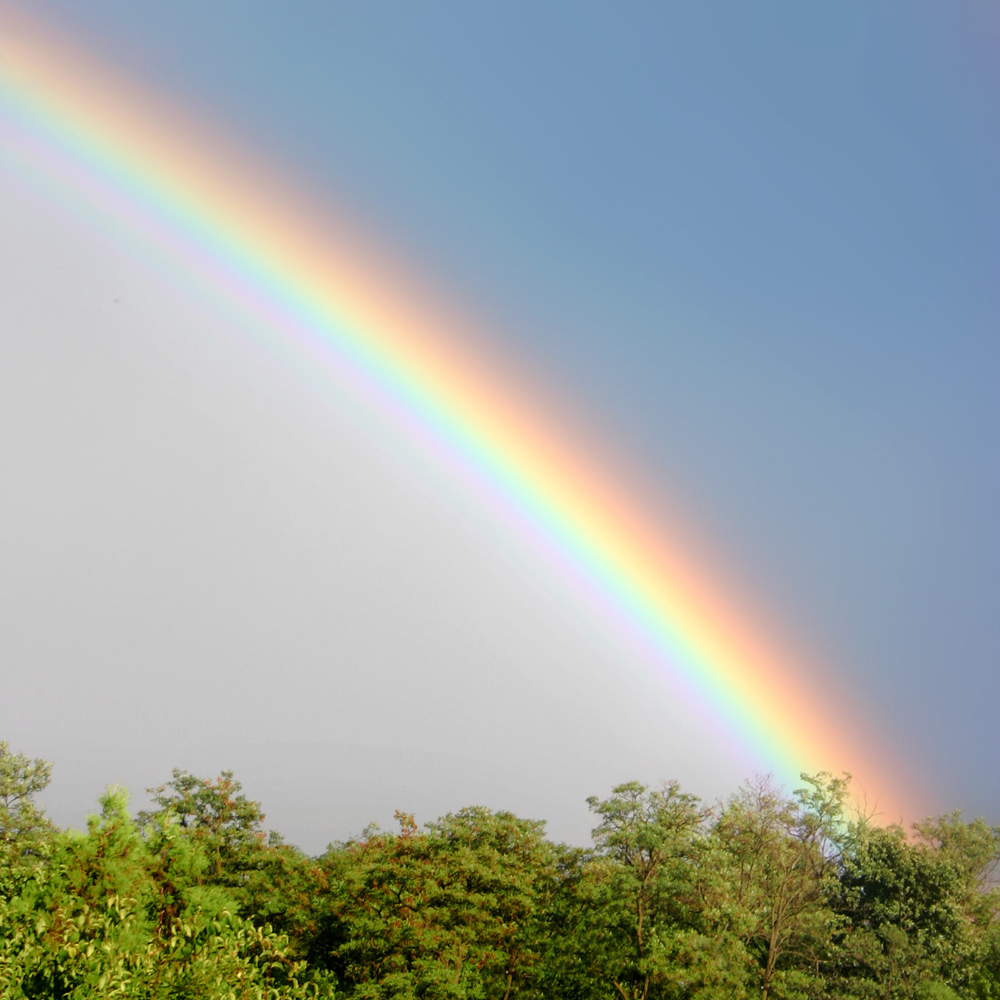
(768,895)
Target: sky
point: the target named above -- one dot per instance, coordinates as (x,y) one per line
(746,253)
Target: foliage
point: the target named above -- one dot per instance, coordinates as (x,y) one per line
(115,913)
(449,912)
(643,876)
(773,868)
(921,914)
(768,895)
(224,821)
(24,831)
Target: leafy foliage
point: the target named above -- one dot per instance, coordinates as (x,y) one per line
(24,831)
(768,895)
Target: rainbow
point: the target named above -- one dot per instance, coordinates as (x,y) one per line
(334,305)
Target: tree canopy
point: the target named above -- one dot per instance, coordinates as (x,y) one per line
(770,894)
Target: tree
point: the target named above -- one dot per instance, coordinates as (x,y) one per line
(448,912)
(225,822)
(499,868)
(119,913)
(24,830)
(568,964)
(643,880)
(922,912)
(778,859)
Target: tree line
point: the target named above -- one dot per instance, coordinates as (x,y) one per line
(769,894)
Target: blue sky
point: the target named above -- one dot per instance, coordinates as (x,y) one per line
(754,245)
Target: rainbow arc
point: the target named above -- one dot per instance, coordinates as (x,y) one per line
(187,194)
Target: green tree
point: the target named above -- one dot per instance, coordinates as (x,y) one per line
(227,825)
(568,965)
(921,911)
(642,882)
(449,912)
(25,833)
(117,913)
(272,883)
(774,862)
(499,869)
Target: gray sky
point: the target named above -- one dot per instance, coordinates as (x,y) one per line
(755,247)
